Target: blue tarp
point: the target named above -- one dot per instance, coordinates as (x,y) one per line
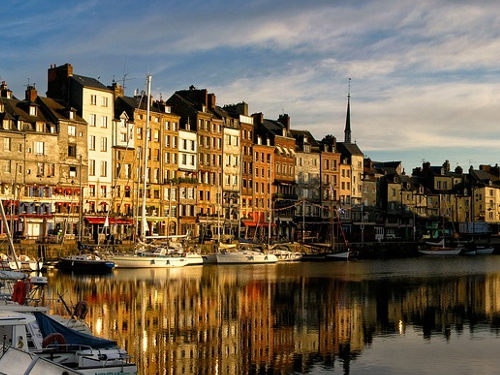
(48,325)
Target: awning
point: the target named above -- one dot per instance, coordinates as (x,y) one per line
(278,148)
(256,224)
(111,220)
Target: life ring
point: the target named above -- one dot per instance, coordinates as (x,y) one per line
(81,310)
(54,340)
(20,290)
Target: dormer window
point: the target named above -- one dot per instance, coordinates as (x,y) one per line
(32,110)
(2,108)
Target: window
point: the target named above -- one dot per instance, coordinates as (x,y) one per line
(92,120)
(123,137)
(72,150)
(7,144)
(51,169)
(72,130)
(104,121)
(8,166)
(40,169)
(40,148)
(104,144)
(104,168)
(93,99)
(92,142)
(104,101)
(91,167)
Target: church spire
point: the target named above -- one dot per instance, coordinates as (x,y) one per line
(347,131)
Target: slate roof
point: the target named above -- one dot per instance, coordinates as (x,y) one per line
(89,82)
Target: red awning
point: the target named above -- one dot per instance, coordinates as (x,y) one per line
(255,224)
(111,220)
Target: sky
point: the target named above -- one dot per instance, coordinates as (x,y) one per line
(423,75)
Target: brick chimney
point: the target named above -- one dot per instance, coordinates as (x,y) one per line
(4,91)
(58,83)
(31,94)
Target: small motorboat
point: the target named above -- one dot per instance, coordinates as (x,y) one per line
(87,263)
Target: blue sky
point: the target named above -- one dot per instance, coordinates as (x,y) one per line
(424,74)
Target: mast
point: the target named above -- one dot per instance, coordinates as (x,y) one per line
(9,235)
(270,200)
(145,153)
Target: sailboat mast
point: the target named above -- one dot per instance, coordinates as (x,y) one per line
(145,153)
(9,235)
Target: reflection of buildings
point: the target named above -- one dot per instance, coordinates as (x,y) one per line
(241,320)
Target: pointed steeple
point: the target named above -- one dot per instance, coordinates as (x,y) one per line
(347,131)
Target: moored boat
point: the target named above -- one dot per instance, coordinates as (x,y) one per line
(245,254)
(441,250)
(284,253)
(85,263)
(39,334)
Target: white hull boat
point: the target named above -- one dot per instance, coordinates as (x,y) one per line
(441,251)
(148,261)
(245,257)
(37,333)
(284,253)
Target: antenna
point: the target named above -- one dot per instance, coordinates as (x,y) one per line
(349,88)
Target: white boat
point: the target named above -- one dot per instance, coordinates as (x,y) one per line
(284,253)
(39,334)
(22,293)
(151,258)
(442,250)
(24,263)
(478,250)
(209,258)
(245,254)
(14,362)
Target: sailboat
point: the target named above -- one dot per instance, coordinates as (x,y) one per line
(13,262)
(344,254)
(444,246)
(147,255)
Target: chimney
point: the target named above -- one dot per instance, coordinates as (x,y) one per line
(258,118)
(211,101)
(4,91)
(58,81)
(285,120)
(117,90)
(31,93)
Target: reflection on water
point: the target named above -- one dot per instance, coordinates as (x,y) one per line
(359,317)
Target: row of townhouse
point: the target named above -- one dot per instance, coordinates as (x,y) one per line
(85,159)
(75,164)
(431,202)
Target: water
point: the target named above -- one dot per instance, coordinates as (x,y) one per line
(421,315)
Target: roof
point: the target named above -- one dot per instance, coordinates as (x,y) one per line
(90,82)
(349,149)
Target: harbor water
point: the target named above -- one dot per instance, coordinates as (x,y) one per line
(422,315)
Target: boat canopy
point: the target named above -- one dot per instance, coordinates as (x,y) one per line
(48,325)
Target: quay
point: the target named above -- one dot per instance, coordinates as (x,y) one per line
(51,252)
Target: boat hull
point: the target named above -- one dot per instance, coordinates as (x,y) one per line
(245,257)
(440,251)
(134,261)
(85,266)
